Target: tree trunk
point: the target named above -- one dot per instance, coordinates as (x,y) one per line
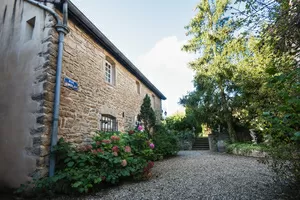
(228,116)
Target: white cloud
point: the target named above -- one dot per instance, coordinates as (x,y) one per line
(165,65)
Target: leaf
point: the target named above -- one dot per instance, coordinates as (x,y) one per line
(76,184)
(81,190)
(97,180)
(70,164)
(67,160)
(297,134)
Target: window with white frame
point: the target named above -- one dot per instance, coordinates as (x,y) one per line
(109,73)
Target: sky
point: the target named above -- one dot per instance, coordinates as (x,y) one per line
(150,33)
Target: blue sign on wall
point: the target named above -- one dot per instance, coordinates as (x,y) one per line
(70,84)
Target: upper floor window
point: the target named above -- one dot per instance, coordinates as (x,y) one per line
(109,73)
(138,87)
(108,123)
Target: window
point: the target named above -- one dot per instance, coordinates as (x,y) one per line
(108,123)
(138,87)
(109,73)
(30,24)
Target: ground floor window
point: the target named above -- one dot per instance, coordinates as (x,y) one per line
(108,123)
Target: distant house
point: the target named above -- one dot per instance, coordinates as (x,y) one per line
(101,89)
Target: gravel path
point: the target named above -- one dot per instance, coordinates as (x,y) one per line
(199,175)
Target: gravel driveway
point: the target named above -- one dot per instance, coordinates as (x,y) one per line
(199,175)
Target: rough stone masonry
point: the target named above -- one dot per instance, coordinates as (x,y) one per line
(28,67)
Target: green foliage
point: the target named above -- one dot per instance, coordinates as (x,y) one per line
(186,139)
(284,160)
(247,74)
(110,158)
(147,114)
(245,147)
(181,122)
(166,142)
(213,39)
(183,127)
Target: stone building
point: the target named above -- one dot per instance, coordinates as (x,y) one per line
(101,89)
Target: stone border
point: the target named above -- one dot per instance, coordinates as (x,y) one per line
(251,153)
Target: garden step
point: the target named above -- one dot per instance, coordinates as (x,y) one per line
(201,144)
(200,148)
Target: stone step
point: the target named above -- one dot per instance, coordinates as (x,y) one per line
(200,149)
(200,146)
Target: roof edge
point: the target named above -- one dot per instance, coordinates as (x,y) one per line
(79,17)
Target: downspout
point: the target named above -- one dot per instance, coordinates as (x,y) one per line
(62,29)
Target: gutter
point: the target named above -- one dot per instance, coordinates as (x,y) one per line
(62,29)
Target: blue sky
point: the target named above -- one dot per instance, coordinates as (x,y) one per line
(150,33)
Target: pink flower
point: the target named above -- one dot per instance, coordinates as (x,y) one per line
(151,146)
(115,138)
(115,149)
(98,143)
(150,164)
(106,141)
(88,147)
(115,153)
(131,132)
(100,150)
(94,151)
(127,149)
(124,163)
(140,128)
(82,148)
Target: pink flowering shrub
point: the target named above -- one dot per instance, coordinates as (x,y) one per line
(127,149)
(140,128)
(110,158)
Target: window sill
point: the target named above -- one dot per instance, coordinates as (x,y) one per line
(110,84)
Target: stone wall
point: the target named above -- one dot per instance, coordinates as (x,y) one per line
(28,53)
(24,56)
(80,111)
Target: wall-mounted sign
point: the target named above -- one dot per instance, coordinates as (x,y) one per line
(70,84)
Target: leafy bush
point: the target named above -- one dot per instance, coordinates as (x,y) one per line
(166,142)
(110,158)
(284,160)
(182,122)
(245,147)
(186,139)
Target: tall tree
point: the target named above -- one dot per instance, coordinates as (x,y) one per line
(147,115)
(212,38)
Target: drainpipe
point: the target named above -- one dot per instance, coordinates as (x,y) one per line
(62,29)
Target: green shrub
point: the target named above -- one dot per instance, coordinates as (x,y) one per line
(166,142)
(110,158)
(284,160)
(186,139)
(245,147)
